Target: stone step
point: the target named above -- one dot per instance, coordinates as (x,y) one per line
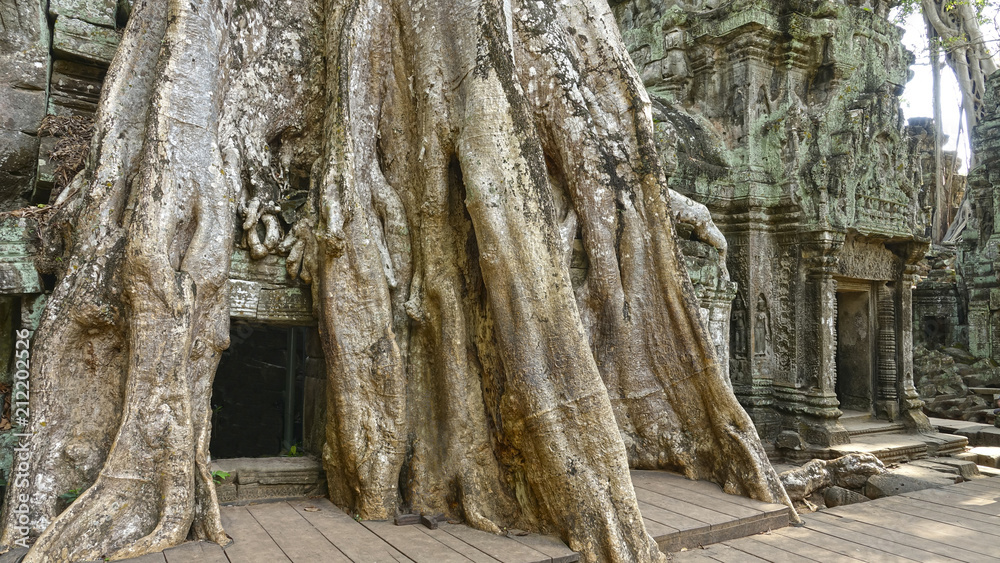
(245,480)
(979,435)
(859,423)
(897,448)
(874,427)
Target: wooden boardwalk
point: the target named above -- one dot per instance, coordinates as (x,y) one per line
(316,531)
(678,513)
(955,523)
(681,513)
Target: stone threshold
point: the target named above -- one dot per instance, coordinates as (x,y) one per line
(256,479)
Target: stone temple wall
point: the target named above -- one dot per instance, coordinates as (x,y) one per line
(783,118)
(58,52)
(979,248)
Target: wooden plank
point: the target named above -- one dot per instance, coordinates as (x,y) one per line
(414,543)
(711,501)
(668,518)
(473,553)
(964,489)
(500,548)
(934,533)
(986,510)
(946,514)
(815,536)
(151,558)
(250,541)
(723,552)
(195,552)
(892,542)
(988,485)
(351,538)
(297,538)
(983,507)
(767,552)
(551,546)
(706,516)
(804,549)
(692,556)
(871,546)
(658,530)
(711,489)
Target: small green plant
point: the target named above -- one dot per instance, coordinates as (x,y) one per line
(293,451)
(70,495)
(219,476)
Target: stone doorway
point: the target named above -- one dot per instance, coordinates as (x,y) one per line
(257,392)
(856,341)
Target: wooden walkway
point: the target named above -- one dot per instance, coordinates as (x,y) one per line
(955,523)
(316,531)
(678,513)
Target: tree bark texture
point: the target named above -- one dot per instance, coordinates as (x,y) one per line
(455,151)
(956,26)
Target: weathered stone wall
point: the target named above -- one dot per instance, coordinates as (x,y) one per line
(783,118)
(978,250)
(24,71)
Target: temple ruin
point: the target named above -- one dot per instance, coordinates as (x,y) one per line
(782,118)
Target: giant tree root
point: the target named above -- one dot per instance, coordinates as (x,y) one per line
(850,472)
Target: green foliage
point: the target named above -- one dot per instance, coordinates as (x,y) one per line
(294,451)
(219,476)
(71,495)
(909,7)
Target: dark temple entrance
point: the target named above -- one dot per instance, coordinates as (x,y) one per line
(855,346)
(257,393)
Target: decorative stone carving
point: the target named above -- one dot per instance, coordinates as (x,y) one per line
(762,328)
(784,121)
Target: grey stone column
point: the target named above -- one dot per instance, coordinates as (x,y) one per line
(911,407)
(887,401)
(820,423)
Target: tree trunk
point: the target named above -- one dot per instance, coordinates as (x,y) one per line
(459,149)
(957,27)
(941,207)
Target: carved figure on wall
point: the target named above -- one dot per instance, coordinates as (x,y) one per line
(675,61)
(738,329)
(762,328)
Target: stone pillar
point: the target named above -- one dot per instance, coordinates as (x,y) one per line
(820,423)
(911,407)
(887,398)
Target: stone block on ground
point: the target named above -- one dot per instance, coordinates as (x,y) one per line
(269,478)
(839,496)
(967,469)
(949,426)
(988,456)
(73,38)
(960,355)
(906,479)
(966,456)
(272,470)
(989,471)
(988,436)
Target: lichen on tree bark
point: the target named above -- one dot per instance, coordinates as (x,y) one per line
(456,150)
